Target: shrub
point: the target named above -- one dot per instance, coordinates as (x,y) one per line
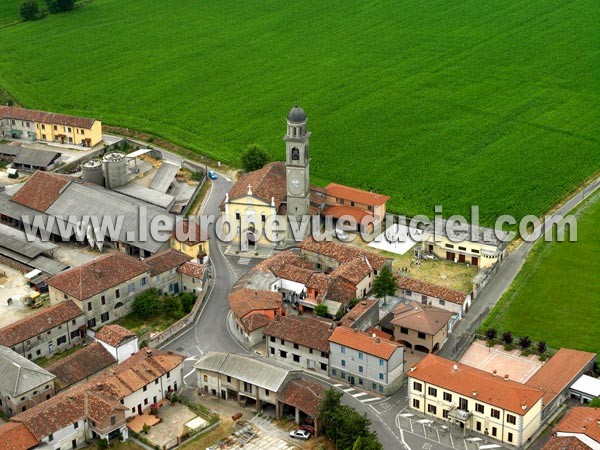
(172,307)
(491,334)
(147,304)
(187,302)
(525,342)
(321,310)
(541,347)
(508,347)
(507,338)
(29,10)
(197,176)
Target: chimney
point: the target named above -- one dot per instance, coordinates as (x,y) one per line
(413,367)
(474,393)
(373,335)
(170,352)
(455,367)
(494,372)
(524,406)
(364,303)
(506,377)
(149,352)
(377,341)
(99,386)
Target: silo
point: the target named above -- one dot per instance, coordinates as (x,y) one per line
(92,171)
(114,165)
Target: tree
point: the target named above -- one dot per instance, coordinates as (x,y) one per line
(147,304)
(187,302)
(29,10)
(321,310)
(525,342)
(507,338)
(347,426)
(541,347)
(368,442)
(385,283)
(172,307)
(595,403)
(491,334)
(254,158)
(328,405)
(56,6)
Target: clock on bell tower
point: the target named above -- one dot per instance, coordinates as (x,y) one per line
(297,163)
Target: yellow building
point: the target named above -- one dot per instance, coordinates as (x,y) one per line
(190,239)
(479,401)
(20,123)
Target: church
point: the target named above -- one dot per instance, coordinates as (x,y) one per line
(283,190)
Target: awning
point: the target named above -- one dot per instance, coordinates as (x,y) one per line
(459,414)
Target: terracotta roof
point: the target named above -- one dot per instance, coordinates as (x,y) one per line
(302,330)
(581,420)
(431,290)
(354,271)
(357,195)
(319,282)
(364,342)
(189,232)
(16,436)
(279,260)
(341,253)
(419,317)
(165,260)
(114,335)
(355,313)
(11,112)
(192,269)
(565,443)
(476,384)
(338,212)
(294,273)
(244,301)
(82,364)
(254,321)
(381,334)
(266,183)
(306,395)
(39,323)
(560,371)
(98,275)
(340,290)
(40,191)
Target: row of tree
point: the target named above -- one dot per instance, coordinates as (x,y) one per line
(30,9)
(345,427)
(508,339)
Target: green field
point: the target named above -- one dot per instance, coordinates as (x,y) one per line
(556,296)
(433,102)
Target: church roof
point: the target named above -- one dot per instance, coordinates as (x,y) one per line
(296,115)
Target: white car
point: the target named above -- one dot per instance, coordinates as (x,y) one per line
(300,434)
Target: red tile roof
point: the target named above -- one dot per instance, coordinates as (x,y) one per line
(189,232)
(11,112)
(581,420)
(356,195)
(98,275)
(364,342)
(165,260)
(306,395)
(254,321)
(565,443)
(355,313)
(192,269)
(431,290)
(340,290)
(39,323)
(342,253)
(560,371)
(424,318)
(302,330)
(82,364)
(476,384)
(354,271)
(41,190)
(114,335)
(381,334)
(338,211)
(16,436)
(244,301)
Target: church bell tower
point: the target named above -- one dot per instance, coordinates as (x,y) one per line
(297,164)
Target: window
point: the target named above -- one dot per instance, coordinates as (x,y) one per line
(205,378)
(103,300)
(131,287)
(474,250)
(50,437)
(479,408)
(61,340)
(463,404)
(238,216)
(89,306)
(272,338)
(323,366)
(381,363)
(510,437)
(478,426)
(282,342)
(263,218)
(156,381)
(494,431)
(65,296)
(511,419)
(417,387)
(343,375)
(442,302)
(169,374)
(145,401)
(38,352)
(421,335)
(323,355)
(416,403)
(91,323)
(343,363)
(445,413)
(283,354)
(343,350)
(296,358)
(145,388)
(55,128)
(381,376)
(423,299)
(296,346)
(381,389)
(360,355)
(431,409)
(229,379)
(432,391)
(272,351)
(43,135)
(334,372)
(447,396)
(43,127)
(360,369)
(76,425)
(450,245)
(403,330)
(360,381)
(104,317)
(144,281)
(117,293)
(495,413)
(266,392)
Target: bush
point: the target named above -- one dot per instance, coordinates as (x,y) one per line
(147,304)
(171,306)
(187,302)
(321,310)
(525,342)
(491,334)
(541,347)
(30,10)
(197,176)
(507,338)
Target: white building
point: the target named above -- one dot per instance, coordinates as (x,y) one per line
(118,341)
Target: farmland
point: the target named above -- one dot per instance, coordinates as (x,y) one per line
(556,296)
(453,103)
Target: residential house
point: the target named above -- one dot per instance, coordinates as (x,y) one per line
(362,206)
(51,330)
(558,374)
(416,290)
(193,276)
(23,384)
(189,238)
(476,400)
(16,436)
(365,360)
(420,327)
(118,341)
(30,124)
(579,429)
(363,316)
(163,270)
(301,341)
(81,365)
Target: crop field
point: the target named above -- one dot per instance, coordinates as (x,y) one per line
(556,296)
(9,12)
(432,102)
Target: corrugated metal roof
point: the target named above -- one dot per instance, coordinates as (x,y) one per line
(164,177)
(36,158)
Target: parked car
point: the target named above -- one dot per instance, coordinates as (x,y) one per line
(308,428)
(212,175)
(300,434)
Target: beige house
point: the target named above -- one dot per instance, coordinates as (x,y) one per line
(51,330)
(479,401)
(421,327)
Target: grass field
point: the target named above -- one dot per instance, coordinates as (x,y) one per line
(433,102)
(556,296)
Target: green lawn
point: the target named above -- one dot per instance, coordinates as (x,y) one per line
(556,296)
(492,103)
